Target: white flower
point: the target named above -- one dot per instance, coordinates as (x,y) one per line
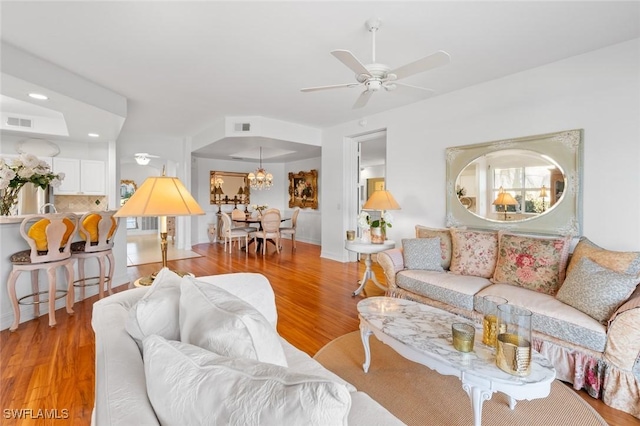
(25,172)
(388,218)
(363,220)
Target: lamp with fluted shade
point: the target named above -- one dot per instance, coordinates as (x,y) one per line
(380,200)
(160,196)
(504,199)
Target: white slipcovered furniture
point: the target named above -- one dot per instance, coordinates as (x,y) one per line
(587,324)
(219,376)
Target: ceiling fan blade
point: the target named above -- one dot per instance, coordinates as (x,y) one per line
(409,86)
(351,61)
(335,86)
(428,62)
(362,99)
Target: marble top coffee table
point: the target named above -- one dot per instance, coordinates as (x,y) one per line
(422,334)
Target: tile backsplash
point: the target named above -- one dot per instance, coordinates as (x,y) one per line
(80,203)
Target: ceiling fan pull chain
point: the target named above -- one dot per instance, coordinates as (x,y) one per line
(373,44)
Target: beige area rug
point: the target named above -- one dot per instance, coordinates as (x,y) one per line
(420,396)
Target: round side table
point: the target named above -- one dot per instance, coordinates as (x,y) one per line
(368,249)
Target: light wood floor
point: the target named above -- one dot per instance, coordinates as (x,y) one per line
(43,368)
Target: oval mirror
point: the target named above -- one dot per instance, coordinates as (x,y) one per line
(511,184)
(529,184)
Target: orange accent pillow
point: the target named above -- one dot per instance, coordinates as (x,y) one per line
(90,223)
(38,233)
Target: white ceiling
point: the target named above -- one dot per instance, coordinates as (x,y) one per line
(184,64)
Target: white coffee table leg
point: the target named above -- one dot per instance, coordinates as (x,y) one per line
(364,335)
(478,396)
(512,402)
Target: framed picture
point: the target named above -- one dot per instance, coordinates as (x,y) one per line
(303,189)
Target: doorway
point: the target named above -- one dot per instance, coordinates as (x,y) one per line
(372,158)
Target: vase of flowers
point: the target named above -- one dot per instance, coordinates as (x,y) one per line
(260,208)
(25,169)
(376,229)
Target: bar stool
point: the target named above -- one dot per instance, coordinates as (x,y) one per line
(47,235)
(97,228)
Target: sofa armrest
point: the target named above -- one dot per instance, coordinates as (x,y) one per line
(623,335)
(391,262)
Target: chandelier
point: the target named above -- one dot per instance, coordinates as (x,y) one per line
(261,179)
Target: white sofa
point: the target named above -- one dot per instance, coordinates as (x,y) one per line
(121,385)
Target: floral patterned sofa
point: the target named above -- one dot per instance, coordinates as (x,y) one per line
(586,307)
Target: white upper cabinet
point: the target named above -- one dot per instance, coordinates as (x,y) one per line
(82,177)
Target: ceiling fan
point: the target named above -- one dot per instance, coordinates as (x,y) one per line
(143,158)
(376,76)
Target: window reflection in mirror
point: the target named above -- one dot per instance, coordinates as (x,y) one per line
(534,181)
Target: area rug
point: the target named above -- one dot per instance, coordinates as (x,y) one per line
(418,395)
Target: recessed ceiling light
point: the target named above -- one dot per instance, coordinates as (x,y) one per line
(94,135)
(38,96)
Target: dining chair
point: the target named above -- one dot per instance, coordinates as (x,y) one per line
(97,230)
(229,233)
(291,230)
(239,214)
(269,229)
(48,236)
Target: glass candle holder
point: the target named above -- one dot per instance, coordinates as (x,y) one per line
(490,319)
(351,235)
(463,336)
(513,350)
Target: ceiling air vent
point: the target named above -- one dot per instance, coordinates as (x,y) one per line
(243,127)
(20,122)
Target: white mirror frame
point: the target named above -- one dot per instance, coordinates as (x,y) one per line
(566,150)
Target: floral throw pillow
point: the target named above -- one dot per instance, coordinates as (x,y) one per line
(473,252)
(534,263)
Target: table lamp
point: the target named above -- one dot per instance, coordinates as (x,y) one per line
(381,200)
(505,199)
(160,196)
(543,195)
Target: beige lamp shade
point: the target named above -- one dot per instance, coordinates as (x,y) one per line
(161,196)
(543,192)
(381,200)
(504,199)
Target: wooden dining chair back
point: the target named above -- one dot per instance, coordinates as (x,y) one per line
(229,233)
(269,229)
(239,215)
(49,238)
(291,230)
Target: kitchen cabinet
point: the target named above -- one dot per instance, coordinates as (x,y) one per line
(82,177)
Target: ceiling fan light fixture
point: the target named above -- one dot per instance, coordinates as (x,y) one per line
(142,159)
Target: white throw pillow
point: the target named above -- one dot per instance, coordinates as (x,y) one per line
(188,385)
(157,311)
(216,320)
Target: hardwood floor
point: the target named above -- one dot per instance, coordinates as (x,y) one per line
(52,369)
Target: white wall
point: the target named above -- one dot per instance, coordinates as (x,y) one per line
(597,91)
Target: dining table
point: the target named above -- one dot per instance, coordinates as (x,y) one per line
(258,220)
